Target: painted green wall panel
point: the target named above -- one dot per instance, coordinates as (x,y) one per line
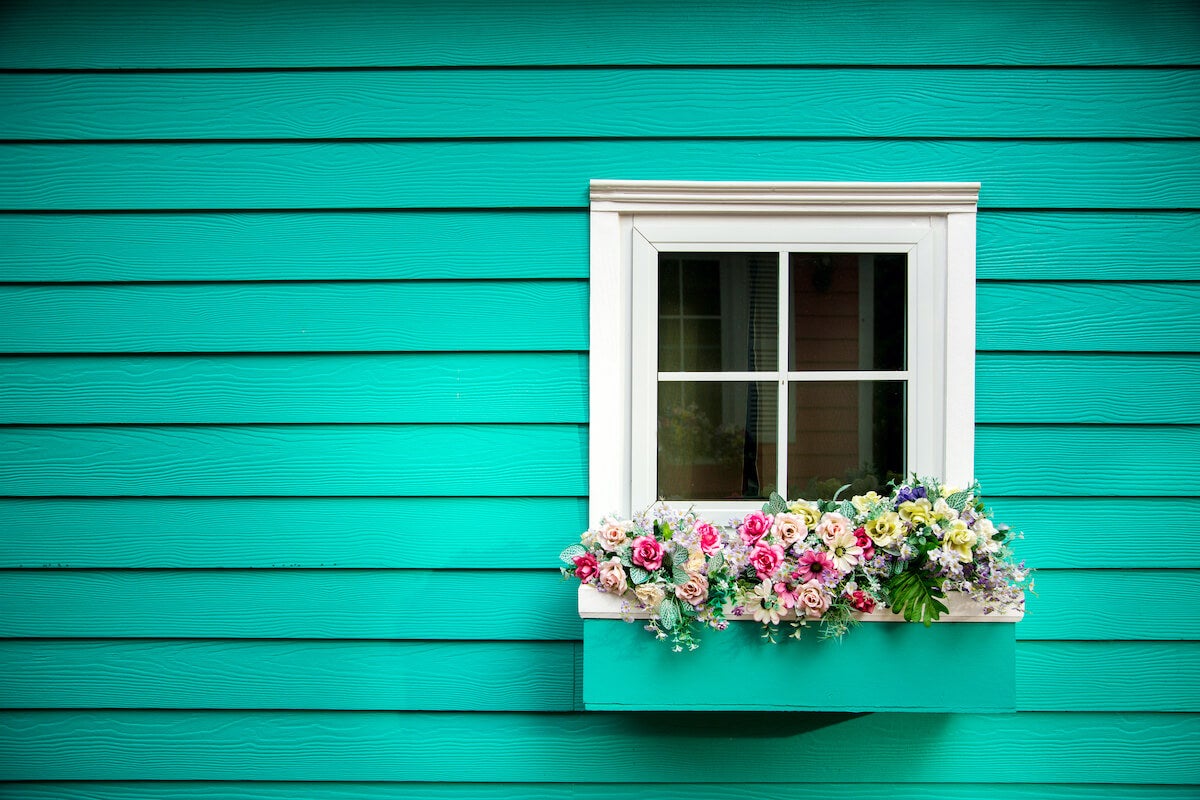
(467,174)
(372,604)
(306,532)
(424,460)
(129,34)
(1147,317)
(1107,460)
(1100,605)
(341,245)
(1108,676)
(327,387)
(1051,526)
(304,317)
(428,676)
(660,748)
(329,790)
(288,604)
(959,103)
(1087,388)
(1088,245)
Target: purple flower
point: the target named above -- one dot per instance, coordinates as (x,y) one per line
(907,494)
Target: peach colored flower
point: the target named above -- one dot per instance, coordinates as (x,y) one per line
(831,525)
(694,591)
(813,599)
(791,527)
(612,576)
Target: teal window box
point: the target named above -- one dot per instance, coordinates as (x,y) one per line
(964,662)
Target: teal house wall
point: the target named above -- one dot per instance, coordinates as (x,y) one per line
(293,384)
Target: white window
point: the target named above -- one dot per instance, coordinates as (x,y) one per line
(758,337)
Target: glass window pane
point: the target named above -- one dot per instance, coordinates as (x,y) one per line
(843,432)
(718,312)
(717,441)
(847,311)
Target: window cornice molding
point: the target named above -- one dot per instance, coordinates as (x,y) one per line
(795,197)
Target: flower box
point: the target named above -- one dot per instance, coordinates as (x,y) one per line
(964,662)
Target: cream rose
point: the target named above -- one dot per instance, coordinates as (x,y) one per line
(791,527)
(694,591)
(831,526)
(649,594)
(612,536)
(917,512)
(806,511)
(862,502)
(612,576)
(812,598)
(943,510)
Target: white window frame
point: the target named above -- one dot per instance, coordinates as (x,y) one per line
(632,221)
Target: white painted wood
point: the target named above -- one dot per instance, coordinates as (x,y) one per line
(933,223)
(594,604)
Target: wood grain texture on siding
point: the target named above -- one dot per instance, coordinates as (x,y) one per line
(424,460)
(346,245)
(962,103)
(405,604)
(422,676)
(305,317)
(488,676)
(331,790)
(1087,387)
(1147,317)
(271,388)
(291,604)
(1108,676)
(130,34)
(1051,526)
(472,174)
(263,532)
(1074,605)
(654,747)
(1088,461)
(1088,245)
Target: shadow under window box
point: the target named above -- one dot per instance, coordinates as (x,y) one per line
(964,662)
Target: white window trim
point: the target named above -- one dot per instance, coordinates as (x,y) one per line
(932,221)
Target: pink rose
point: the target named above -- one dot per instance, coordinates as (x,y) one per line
(864,541)
(831,525)
(766,558)
(862,601)
(585,567)
(755,526)
(612,576)
(647,553)
(812,599)
(694,591)
(710,540)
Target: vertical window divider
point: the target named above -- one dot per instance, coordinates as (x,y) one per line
(782,410)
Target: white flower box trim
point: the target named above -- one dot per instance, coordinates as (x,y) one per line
(594,604)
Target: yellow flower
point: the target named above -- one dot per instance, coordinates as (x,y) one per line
(886,530)
(949,490)
(959,539)
(918,512)
(864,501)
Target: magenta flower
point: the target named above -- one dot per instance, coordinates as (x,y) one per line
(647,553)
(710,539)
(754,527)
(815,566)
(864,541)
(585,567)
(766,558)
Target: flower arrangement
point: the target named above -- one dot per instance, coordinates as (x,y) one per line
(823,563)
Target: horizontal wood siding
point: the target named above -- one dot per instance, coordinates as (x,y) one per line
(294,384)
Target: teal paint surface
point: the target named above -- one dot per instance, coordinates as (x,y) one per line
(279,349)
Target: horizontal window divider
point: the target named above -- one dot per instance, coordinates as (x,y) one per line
(805,376)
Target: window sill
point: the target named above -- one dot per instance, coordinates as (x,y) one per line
(941,668)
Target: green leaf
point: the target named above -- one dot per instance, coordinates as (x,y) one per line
(915,597)
(716,562)
(839,491)
(668,614)
(846,508)
(571,552)
(638,575)
(958,500)
(775,505)
(679,576)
